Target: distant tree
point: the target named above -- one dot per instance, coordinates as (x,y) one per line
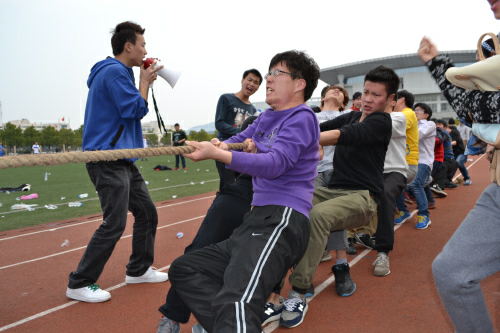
(49,137)
(66,136)
(13,136)
(166,139)
(203,135)
(152,140)
(193,135)
(77,137)
(30,136)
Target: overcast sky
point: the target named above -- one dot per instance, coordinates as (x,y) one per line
(49,46)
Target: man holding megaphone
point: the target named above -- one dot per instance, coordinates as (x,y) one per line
(113,116)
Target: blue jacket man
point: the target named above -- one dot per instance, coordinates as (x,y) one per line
(113,113)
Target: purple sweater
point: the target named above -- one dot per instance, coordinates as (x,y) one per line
(284,167)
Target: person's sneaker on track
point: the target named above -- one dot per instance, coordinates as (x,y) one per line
(151,276)
(167,325)
(402,217)
(295,309)
(344,286)
(272,312)
(92,294)
(423,222)
(381,265)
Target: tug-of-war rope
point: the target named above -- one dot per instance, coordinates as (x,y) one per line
(96,156)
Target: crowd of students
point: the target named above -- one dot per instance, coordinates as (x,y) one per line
(305,184)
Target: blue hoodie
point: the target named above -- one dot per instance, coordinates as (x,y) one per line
(114,108)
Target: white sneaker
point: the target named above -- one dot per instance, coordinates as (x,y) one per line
(151,276)
(91,294)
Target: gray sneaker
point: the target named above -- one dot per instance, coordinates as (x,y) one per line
(326,256)
(381,265)
(294,311)
(168,326)
(198,329)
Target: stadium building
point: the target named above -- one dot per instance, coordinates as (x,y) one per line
(413,75)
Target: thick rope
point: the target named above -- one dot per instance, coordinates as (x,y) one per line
(97,155)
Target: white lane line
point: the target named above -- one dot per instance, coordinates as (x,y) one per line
(317,290)
(269,328)
(100,219)
(60,307)
(325,284)
(83,247)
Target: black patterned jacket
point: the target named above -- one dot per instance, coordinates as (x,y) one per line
(470,105)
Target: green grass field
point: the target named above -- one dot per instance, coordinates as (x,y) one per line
(66,182)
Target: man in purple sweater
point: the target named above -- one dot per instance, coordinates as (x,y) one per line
(226,285)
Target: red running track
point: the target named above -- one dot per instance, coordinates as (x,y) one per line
(35,263)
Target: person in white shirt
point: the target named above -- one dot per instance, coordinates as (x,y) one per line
(36,148)
(426,140)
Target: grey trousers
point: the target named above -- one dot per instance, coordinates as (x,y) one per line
(471,254)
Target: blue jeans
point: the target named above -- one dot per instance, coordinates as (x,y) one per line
(461,159)
(417,188)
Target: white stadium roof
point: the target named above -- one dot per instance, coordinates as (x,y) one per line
(331,75)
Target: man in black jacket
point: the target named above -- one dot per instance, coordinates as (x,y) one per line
(355,187)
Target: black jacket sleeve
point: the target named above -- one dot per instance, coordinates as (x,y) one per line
(373,130)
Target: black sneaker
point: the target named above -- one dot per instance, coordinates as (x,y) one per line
(351,249)
(438,191)
(344,286)
(450,185)
(365,240)
(272,312)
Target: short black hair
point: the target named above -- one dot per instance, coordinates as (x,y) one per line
(408,96)
(451,121)
(386,76)
(254,72)
(177,124)
(356,95)
(301,66)
(442,122)
(125,32)
(427,109)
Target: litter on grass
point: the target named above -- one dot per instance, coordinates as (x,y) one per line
(29,196)
(23,206)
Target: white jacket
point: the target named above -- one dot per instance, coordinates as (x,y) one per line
(395,157)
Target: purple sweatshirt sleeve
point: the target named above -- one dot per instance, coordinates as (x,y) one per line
(290,143)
